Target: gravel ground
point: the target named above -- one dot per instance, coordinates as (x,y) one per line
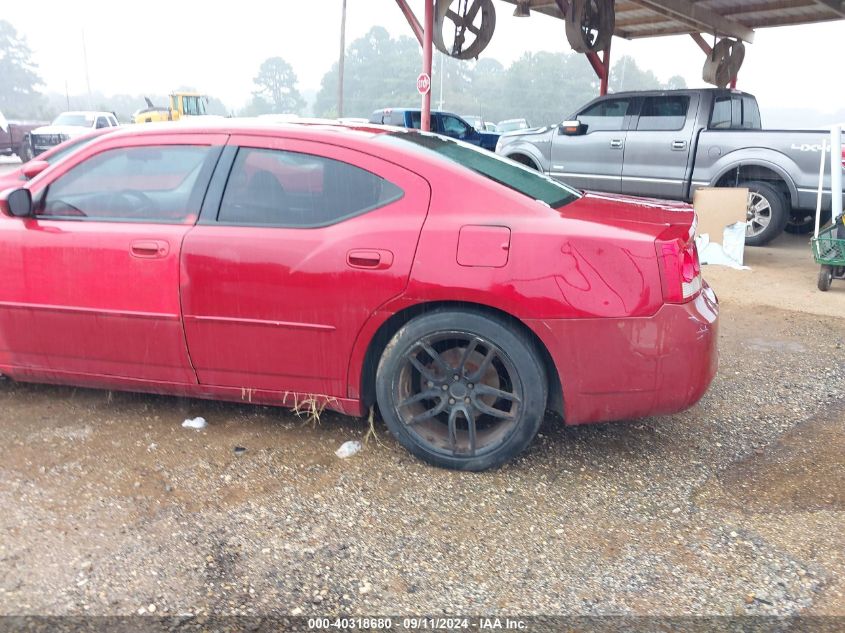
(108,506)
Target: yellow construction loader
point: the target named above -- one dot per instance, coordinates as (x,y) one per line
(182,104)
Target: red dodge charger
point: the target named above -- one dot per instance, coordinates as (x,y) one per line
(459,292)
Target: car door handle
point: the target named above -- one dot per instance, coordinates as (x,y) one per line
(371,258)
(679,145)
(149,249)
(616,143)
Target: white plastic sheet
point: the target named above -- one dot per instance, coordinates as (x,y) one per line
(730,252)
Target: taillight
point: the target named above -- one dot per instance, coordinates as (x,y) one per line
(680,270)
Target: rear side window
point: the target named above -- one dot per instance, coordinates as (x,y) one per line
(750,113)
(736,112)
(288,189)
(526,181)
(721,117)
(664,113)
(130,184)
(415,120)
(608,115)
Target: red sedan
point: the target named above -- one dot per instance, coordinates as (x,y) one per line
(461,293)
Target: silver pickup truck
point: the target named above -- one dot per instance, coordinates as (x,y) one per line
(666,144)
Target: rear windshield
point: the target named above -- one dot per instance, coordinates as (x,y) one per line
(501,170)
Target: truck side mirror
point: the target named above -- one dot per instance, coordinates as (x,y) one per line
(572,128)
(19,203)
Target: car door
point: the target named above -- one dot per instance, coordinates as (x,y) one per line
(594,159)
(91,283)
(657,152)
(288,263)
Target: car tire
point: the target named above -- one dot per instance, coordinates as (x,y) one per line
(462,390)
(825,277)
(768,213)
(804,223)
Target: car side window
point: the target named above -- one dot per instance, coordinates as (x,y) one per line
(750,114)
(454,127)
(721,119)
(289,189)
(113,121)
(102,122)
(131,184)
(608,115)
(416,120)
(663,113)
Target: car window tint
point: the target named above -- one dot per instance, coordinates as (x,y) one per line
(605,115)
(721,117)
(102,122)
(140,184)
(416,120)
(525,180)
(290,189)
(663,113)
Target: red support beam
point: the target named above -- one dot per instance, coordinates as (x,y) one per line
(602,67)
(412,20)
(428,36)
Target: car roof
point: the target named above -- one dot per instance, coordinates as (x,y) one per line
(358,137)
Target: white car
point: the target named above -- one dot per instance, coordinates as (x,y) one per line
(66,126)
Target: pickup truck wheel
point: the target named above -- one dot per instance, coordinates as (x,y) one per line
(25,150)
(460,389)
(767,213)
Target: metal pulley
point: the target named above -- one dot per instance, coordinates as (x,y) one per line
(589,24)
(467,24)
(724,62)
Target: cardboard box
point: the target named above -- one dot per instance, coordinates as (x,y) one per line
(718,207)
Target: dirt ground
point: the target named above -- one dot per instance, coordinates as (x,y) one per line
(108,506)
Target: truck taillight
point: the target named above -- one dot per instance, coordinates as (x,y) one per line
(680,270)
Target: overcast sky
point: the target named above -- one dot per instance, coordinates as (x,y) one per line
(153,47)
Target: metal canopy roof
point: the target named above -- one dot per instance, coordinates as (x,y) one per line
(735,18)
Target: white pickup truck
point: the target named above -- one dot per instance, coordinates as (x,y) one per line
(66,126)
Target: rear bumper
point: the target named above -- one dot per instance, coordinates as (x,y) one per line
(618,369)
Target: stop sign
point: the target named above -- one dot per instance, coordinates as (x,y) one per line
(423,83)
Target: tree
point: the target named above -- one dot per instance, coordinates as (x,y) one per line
(379,72)
(19,97)
(276,83)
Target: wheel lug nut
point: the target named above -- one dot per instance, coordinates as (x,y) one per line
(451,401)
(469,386)
(445,387)
(466,400)
(429,384)
(456,377)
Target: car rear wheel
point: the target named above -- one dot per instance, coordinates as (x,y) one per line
(460,389)
(766,215)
